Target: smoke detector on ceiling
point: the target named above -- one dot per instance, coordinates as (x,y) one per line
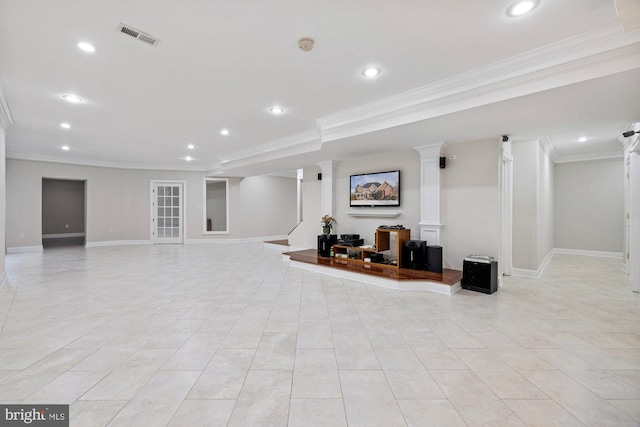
(137,34)
(306,44)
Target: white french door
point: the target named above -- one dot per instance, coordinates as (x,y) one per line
(167,211)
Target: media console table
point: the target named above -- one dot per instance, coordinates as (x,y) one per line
(383,243)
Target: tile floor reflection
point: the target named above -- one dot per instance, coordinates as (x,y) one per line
(229,335)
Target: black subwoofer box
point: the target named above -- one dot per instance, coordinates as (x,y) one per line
(325,242)
(414,255)
(480,276)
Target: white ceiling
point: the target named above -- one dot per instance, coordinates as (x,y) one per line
(452,71)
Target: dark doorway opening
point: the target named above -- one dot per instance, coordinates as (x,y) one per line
(63,212)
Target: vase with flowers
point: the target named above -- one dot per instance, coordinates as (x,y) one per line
(327,223)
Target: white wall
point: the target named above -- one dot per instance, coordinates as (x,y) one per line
(589,205)
(267,206)
(525,204)
(545,206)
(3,204)
(471,201)
(118,203)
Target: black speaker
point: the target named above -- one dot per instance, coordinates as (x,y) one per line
(481,276)
(414,255)
(320,177)
(434,258)
(325,242)
(443,162)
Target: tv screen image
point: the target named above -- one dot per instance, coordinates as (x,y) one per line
(375,189)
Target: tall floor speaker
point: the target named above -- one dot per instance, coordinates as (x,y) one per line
(434,258)
(325,242)
(480,274)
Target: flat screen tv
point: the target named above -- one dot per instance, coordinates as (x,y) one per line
(375,189)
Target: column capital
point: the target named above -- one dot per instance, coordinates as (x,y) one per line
(430,151)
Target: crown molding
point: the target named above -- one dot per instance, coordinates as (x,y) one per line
(5,114)
(301,143)
(86,162)
(547,146)
(590,55)
(588,157)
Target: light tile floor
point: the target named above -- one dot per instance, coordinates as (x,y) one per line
(229,334)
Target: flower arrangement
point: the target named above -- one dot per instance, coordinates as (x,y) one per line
(327,223)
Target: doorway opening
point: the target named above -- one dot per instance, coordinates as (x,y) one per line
(63,212)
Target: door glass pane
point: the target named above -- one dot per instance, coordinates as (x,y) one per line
(176,191)
(167,191)
(176,222)
(160,191)
(176,212)
(160,201)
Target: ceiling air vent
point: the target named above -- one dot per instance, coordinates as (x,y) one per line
(137,34)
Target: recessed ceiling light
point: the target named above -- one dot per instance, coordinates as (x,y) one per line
(371,72)
(191,146)
(520,8)
(582,139)
(224,132)
(188,158)
(65,147)
(86,47)
(65,125)
(276,110)
(72,98)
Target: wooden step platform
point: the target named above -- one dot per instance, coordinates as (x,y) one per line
(447,282)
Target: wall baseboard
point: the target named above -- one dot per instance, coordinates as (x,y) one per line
(599,254)
(21,249)
(243,240)
(522,272)
(117,243)
(62,235)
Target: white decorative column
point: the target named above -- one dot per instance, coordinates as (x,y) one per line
(299,178)
(326,203)
(632,208)
(431,228)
